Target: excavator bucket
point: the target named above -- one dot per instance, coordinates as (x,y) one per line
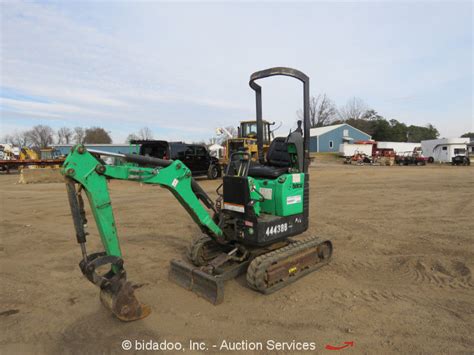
(123,303)
(205,285)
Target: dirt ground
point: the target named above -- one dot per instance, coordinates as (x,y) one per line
(400,280)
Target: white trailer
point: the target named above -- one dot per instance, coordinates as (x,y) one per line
(470,149)
(399,147)
(443,150)
(349,149)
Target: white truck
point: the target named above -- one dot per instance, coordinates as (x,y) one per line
(443,150)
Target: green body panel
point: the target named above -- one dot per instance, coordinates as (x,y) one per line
(83,168)
(253,187)
(283,196)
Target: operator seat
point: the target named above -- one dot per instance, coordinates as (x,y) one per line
(278,161)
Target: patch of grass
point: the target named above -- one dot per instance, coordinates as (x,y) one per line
(328,157)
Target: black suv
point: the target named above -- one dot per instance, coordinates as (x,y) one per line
(195,156)
(460,160)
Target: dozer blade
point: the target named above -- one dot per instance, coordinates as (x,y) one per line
(123,303)
(205,285)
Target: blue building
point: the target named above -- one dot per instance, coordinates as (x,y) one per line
(328,138)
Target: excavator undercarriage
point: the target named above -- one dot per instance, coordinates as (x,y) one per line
(267,269)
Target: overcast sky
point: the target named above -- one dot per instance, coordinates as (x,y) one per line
(182,69)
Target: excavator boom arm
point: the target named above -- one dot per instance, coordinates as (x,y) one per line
(90,174)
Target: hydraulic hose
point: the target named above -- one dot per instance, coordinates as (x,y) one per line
(145,160)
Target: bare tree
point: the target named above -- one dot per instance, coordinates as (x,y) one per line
(64,135)
(131,137)
(355,108)
(7,138)
(19,139)
(322,111)
(41,136)
(145,133)
(79,135)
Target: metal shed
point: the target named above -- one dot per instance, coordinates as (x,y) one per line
(328,138)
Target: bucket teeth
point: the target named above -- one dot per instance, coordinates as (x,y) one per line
(205,285)
(123,303)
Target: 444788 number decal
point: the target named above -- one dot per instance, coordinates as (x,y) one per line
(279,228)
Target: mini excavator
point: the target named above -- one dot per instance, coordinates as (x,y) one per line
(248,229)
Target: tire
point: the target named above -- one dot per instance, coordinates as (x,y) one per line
(214,172)
(431,160)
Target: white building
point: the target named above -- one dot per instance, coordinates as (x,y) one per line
(443,150)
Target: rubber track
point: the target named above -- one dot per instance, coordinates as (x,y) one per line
(192,251)
(258,267)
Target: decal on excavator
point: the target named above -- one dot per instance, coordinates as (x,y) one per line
(279,228)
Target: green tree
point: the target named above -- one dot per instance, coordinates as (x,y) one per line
(382,130)
(468,135)
(359,123)
(371,115)
(419,133)
(398,131)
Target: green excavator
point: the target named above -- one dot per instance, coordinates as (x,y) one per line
(248,229)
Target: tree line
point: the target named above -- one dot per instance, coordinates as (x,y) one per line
(324,112)
(42,136)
